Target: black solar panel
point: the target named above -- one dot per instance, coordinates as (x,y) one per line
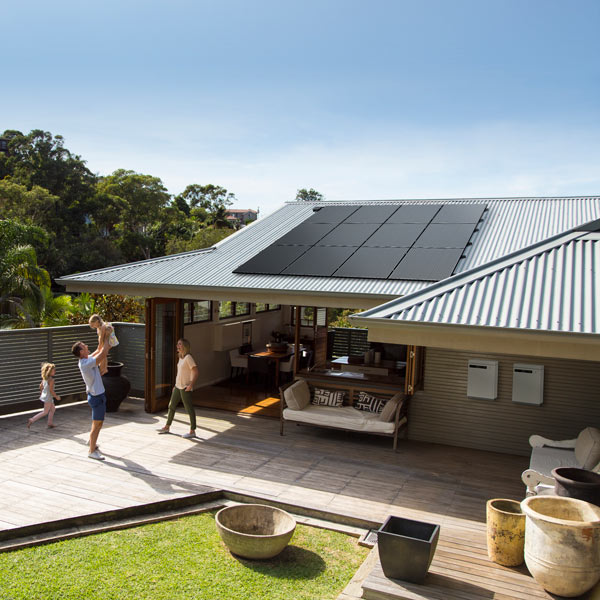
(353,234)
(422,242)
(460,213)
(306,234)
(331,214)
(400,235)
(371,263)
(427,264)
(372,214)
(445,235)
(319,260)
(272,260)
(415,213)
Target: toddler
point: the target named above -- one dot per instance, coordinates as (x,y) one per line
(47,396)
(106,336)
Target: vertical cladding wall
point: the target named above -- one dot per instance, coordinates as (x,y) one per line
(131,351)
(442,413)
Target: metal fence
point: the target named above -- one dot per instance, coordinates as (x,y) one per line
(23,350)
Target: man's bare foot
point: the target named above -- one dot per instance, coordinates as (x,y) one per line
(50,426)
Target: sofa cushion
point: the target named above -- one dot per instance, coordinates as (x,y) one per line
(297,396)
(369,403)
(323,397)
(587,448)
(389,410)
(341,417)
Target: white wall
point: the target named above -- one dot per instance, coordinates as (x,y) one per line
(211,341)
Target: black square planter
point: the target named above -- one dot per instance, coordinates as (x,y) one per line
(406,548)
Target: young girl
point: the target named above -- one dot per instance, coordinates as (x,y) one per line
(106,335)
(47,396)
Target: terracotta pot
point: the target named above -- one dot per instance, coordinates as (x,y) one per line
(562,543)
(505,532)
(116,386)
(406,548)
(577,483)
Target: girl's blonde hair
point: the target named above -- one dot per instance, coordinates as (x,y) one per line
(96,319)
(47,369)
(186,346)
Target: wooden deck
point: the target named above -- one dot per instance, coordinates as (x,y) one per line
(45,475)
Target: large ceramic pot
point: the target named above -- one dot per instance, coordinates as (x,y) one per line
(577,483)
(255,531)
(505,532)
(406,548)
(562,543)
(116,386)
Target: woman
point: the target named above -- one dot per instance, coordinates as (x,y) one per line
(187,373)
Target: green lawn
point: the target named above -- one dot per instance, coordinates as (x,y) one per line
(179,559)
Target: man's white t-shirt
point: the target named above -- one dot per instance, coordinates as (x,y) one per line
(91,376)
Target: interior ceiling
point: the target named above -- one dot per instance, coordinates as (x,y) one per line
(414,242)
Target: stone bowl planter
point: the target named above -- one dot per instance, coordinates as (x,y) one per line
(562,543)
(255,531)
(577,483)
(406,548)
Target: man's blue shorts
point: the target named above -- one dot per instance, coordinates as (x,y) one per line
(98,404)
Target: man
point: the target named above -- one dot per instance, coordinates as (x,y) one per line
(88,365)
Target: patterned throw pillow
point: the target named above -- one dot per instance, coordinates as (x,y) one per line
(369,403)
(328,397)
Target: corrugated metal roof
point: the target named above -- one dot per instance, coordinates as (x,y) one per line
(509,224)
(552,286)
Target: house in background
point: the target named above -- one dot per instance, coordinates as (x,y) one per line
(241,216)
(283,273)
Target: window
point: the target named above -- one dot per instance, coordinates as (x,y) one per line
(233,309)
(196,311)
(307,316)
(260,307)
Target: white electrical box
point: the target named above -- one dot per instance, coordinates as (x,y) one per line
(528,384)
(482,381)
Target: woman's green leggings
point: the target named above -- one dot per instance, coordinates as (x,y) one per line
(178,395)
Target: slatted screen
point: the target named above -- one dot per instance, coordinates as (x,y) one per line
(348,341)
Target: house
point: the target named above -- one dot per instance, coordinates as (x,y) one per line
(283,272)
(241,216)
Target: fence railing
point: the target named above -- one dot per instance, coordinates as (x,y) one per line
(22,352)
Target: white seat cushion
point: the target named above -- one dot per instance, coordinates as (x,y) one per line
(543,460)
(343,417)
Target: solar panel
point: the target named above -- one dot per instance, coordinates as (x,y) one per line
(372,214)
(415,213)
(320,261)
(400,235)
(306,234)
(427,264)
(352,234)
(331,214)
(445,235)
(272,260)
(371,263)
(460,213)
(421,242)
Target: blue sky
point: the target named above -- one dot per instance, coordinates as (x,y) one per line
(379,99)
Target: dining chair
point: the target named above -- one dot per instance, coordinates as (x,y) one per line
(239,363)
(287,367)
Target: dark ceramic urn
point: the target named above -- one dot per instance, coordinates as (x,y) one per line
(582,484)
(406,548)
(116,386)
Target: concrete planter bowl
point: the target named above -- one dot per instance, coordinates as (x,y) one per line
(255,531)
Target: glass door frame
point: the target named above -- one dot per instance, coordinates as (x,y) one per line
(152,402)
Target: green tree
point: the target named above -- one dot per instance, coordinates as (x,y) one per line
(140,201)
(203,238)
(304,195)
(209,197)
(20,275)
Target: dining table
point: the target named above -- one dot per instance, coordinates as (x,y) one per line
(276,356)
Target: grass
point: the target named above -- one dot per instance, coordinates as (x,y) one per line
(179,559)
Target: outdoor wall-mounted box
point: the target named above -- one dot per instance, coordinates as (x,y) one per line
(528,384)
(482,379)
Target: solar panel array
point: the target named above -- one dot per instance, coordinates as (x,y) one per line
(421,242)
